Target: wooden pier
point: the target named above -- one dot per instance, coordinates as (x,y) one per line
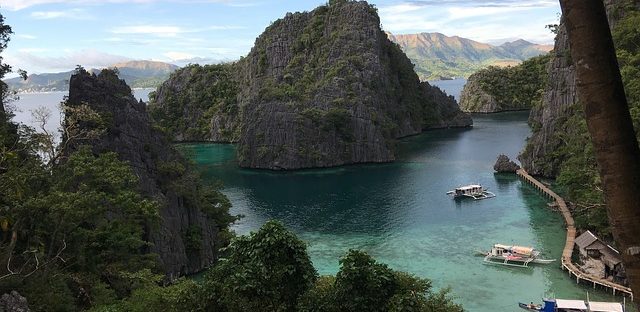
(571,238)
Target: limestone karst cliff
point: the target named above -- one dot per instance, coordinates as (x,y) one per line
(555,119)
(318,89)
(497,89)
(187,211)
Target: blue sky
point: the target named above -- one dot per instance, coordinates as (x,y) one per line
(55,35)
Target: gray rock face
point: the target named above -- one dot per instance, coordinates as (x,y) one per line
(13,302)
(151,156)
(327,88)
(558,103)
(547,119)
(504,164)
(474,99)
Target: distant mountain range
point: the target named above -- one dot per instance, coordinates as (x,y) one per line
(437,56)
(138,74)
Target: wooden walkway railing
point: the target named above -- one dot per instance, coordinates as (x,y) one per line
(571,238)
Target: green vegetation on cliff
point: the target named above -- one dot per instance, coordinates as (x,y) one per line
(318,89)
(578,173)
(199,94)
(496,89)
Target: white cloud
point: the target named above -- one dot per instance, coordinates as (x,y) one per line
(69,14)
(178,56)
(33,50)
(400,8)
(15,5)
(158,30)
(26,36)
(166,30)
(481,20)
(467,12)
(33,60)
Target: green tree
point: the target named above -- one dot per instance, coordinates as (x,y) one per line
(82,223)
(362,284)
(268,270)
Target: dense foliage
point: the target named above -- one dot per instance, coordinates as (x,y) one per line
(188,107)
(511,87)
(74,223)
(270,270)
(74,236)
(578,175)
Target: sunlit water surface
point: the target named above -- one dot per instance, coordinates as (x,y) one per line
(399,213)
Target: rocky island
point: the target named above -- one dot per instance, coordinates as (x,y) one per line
(319,89)
(497,89)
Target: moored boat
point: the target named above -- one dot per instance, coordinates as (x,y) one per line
(475,191)
(564,305)
(530,306)
(518,256)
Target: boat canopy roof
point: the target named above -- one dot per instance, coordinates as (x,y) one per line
(605,306)
(522,250)
(571,304)
(469,187)
(517,249)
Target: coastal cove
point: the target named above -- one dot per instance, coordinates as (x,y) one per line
(399,213)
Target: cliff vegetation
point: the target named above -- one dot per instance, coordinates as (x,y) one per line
(560,145)
(318,89)
(111,217)
(496,89)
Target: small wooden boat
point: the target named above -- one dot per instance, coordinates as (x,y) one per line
(530,306)
(517,256)
(475,191)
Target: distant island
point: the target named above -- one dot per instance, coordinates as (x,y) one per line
(138,74)
(437,56)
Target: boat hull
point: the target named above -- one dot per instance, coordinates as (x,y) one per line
(479,196)
(516,262)
(528,307)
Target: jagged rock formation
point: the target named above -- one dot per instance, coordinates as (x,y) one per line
(13,302)
(504,164)
(164,175)
(318,89)
(495,89)
(549,120)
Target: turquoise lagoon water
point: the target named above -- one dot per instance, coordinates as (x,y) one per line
(399,213)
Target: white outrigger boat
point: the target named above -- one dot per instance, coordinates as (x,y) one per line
(564,305)
(475,191)
(517,256)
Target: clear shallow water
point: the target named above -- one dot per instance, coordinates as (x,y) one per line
(399,212)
